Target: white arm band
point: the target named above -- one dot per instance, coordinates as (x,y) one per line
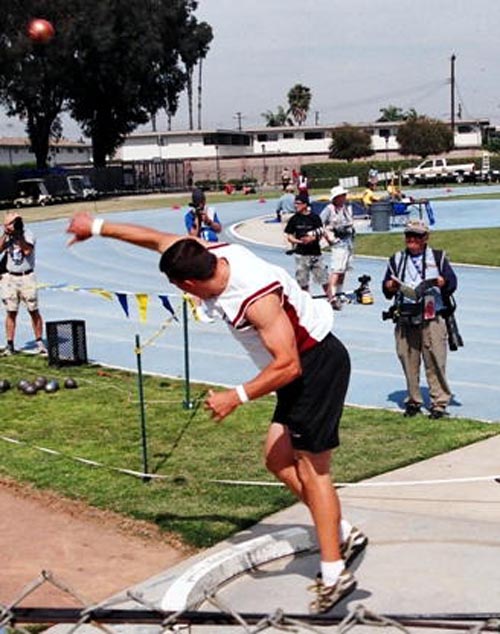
(242,395)
(96,226)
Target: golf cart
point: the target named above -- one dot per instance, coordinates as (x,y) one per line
(81,187)
(32,192)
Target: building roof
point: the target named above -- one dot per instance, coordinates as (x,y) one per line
(25,142)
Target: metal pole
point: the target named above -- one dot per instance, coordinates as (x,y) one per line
(142,410)
(452,105)
(187,403)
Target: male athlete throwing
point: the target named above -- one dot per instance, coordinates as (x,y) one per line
(287,333)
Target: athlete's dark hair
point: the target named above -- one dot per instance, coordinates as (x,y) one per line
(188,259)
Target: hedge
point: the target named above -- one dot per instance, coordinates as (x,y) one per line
(326,175)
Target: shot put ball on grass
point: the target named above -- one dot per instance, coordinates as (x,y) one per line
(29,389)
(51,386)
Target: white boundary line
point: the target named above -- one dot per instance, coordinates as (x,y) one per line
(261,483)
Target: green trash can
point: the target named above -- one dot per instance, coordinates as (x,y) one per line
(381,212)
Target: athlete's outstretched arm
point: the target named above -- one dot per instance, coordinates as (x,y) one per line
(84,225)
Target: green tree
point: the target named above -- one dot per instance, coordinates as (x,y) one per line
(112,64)
(277,119)
(299,100)
(194,43)
(349,143)
(422,136)
(394,113)
(205,36)
(493,145)
(122,63)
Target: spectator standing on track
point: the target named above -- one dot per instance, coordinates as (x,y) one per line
(338,221)
(286,203)
(288,335)
(303,183)
(304,231)
(285,178)
(202,221)
(419,279)
(19,282)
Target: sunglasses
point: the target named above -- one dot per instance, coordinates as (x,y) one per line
(415,236)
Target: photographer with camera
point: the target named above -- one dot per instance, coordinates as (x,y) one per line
(19,282)
(338,221)
(421,282)
(202,221)
(304,231)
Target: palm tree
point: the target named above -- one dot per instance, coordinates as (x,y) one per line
(205,36)
(299,100)
(394,113)
(278,118)
(194,46)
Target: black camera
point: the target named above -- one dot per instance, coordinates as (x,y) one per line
(17,227)
(455,340)
(389,314)
(343,232)
(364,279)
(316,233)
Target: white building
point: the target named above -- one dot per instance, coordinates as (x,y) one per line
(281,141)
(16,151)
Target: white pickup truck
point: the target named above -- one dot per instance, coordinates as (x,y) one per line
(438,169)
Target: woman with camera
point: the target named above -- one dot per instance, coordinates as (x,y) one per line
(420,280)
(19,282)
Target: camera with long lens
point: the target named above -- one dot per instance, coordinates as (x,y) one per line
(389,314)
(17,227)
(455,340)
(316,233)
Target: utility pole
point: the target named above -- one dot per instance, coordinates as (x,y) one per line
(316,117)
(239,117)
(452,104)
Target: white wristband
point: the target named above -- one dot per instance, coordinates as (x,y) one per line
(242,395)
(96,228)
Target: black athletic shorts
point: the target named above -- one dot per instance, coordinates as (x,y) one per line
(311,406)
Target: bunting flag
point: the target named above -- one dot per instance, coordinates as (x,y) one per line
(102,293)
(142,299)
(167,305)
(142,304)
(192,305)
(123,299)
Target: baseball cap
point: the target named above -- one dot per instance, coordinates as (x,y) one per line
(417,226)
(337,191)
(302,197)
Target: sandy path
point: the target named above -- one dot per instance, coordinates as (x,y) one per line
(96,553)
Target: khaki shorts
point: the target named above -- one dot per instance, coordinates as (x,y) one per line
(17,289)
(340,258)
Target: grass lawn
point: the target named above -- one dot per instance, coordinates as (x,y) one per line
(100,421)
(471,246)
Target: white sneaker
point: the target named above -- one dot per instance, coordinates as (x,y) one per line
(41,349)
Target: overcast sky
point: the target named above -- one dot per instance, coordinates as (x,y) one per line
(356,56)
